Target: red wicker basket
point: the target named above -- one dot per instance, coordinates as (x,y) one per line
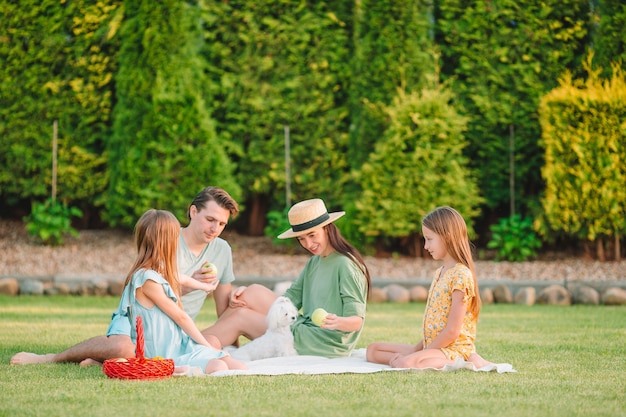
(138,367)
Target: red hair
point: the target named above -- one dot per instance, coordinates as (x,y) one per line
(156,237)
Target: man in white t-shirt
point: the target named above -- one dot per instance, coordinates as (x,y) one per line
(200,243)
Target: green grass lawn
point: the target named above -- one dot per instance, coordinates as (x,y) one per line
(571,361)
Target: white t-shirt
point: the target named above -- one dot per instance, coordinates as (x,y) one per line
(219,253)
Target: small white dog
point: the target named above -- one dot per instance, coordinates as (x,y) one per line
(277,340)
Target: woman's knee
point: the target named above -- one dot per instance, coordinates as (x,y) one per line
(370,352)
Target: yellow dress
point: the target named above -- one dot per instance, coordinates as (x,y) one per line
(438,307)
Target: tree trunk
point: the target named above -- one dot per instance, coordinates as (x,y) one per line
(618,249)
(380,249)
(411,245)
(587,250)
(257,216)
(600,249)
(418,248)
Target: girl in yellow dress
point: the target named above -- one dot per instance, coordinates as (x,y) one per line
(453,301)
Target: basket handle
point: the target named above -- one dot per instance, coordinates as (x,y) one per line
(140,342)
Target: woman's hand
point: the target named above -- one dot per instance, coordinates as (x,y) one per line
(344,324)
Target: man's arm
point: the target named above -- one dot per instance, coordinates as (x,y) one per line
(221,295)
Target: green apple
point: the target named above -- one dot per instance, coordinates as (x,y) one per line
(319,316)
(210,268)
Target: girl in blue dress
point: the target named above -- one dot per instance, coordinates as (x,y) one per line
(153,291)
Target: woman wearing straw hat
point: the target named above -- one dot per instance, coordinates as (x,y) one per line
(335,279)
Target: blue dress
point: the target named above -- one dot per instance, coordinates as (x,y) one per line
(162,336)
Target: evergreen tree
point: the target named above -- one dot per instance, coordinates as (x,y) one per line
(393,52)
(416,166)
(609,41)
(502,56)
(58,63)
(281,64)
(164,147)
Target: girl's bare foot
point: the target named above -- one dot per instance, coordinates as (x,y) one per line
(90,362)
(215,365)
(478,361)
(234,363)
(26,358)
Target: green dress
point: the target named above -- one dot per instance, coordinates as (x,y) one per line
(336,284)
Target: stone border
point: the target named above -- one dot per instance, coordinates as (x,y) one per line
(383,290)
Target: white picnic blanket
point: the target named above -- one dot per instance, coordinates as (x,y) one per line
(310,365)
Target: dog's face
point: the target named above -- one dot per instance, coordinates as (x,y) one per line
(282,313)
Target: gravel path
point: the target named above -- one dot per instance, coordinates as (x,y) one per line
(111,253)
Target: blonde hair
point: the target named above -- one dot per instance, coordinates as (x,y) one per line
(156,238)
(448,224)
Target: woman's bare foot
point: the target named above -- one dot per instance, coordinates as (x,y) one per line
(90,362)
(26,358)
(478,361)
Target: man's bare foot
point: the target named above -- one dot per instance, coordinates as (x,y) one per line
(26,358)
(478,361)
(90,362)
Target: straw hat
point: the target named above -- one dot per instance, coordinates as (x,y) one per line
(307,215)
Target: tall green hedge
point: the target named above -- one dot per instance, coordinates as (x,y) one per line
(58,63)
(156,100)
(585,148)
(164,148)
(610,38)
(416,166)
(281,64)
(393,54)
(503,56)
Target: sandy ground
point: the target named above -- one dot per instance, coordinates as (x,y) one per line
(111,253)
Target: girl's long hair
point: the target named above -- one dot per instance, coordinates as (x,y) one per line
(447,223)
(341,245)
(156,238)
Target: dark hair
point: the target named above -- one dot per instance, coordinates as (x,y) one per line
(220,196)
(341,245)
